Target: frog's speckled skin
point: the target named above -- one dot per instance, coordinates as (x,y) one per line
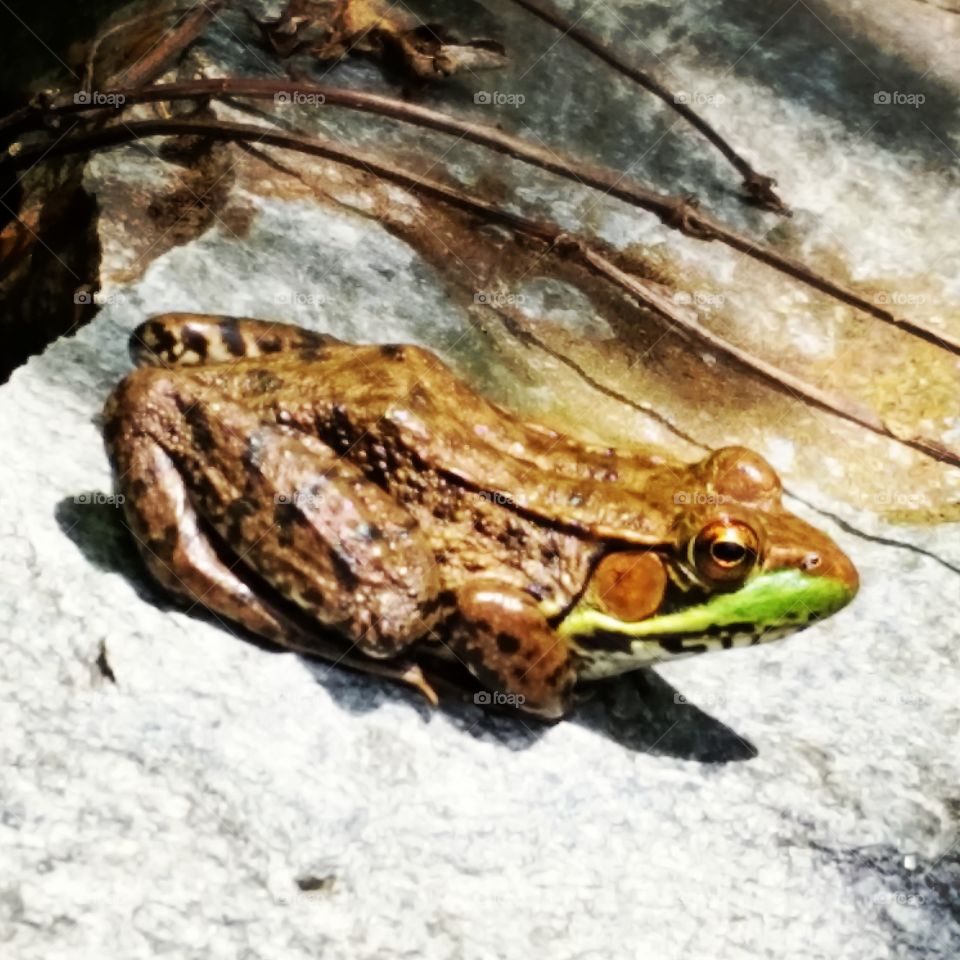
(263,464)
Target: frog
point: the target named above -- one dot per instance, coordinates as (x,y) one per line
(364,504)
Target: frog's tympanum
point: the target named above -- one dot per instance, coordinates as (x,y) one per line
(307,488)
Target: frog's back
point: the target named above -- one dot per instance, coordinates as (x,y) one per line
(408,421)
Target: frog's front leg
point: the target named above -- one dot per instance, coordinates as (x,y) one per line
(507,643)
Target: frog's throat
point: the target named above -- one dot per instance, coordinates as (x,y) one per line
(765,608)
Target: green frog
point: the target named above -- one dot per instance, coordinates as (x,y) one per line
(362,503)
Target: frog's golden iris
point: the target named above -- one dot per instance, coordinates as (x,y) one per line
(300,486)
(725,551)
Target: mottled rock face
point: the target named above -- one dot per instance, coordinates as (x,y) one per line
(166,783)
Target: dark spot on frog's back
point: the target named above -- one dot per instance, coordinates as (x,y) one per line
(194,341)
(269,343)
(370,532)
(310,338)
(232,338)
(549,553)
(507,643)
(311,354)
(238,511)
(314,597)
(392,351)
(156,337)
(444,510)
(199,427)
(343,572)
(286,513)
(513,536)
(445,599)
(240,508)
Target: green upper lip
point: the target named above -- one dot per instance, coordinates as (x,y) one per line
(770,599)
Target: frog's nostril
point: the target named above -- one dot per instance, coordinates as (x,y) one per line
(833,564)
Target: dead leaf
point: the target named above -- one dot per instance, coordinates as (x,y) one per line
(331,30)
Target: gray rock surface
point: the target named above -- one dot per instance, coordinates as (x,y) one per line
(167,787)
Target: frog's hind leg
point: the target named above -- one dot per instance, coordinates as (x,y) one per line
(192,339)
(184,561)
(507,643)
(288,518)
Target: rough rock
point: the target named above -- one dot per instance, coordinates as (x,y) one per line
(168,787)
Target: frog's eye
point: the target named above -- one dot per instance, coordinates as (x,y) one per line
(724,551)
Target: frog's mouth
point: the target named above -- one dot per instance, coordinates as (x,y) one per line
(766,607)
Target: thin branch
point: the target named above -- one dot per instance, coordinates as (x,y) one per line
(680,213)
(757,186)
(103,35)
(195,20)
(549,233)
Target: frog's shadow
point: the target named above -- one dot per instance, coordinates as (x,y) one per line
(640,710)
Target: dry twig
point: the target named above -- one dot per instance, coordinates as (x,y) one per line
(192,24)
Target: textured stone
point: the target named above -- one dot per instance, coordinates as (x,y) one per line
(222,800)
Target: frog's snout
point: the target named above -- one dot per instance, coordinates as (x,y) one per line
(832,563)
